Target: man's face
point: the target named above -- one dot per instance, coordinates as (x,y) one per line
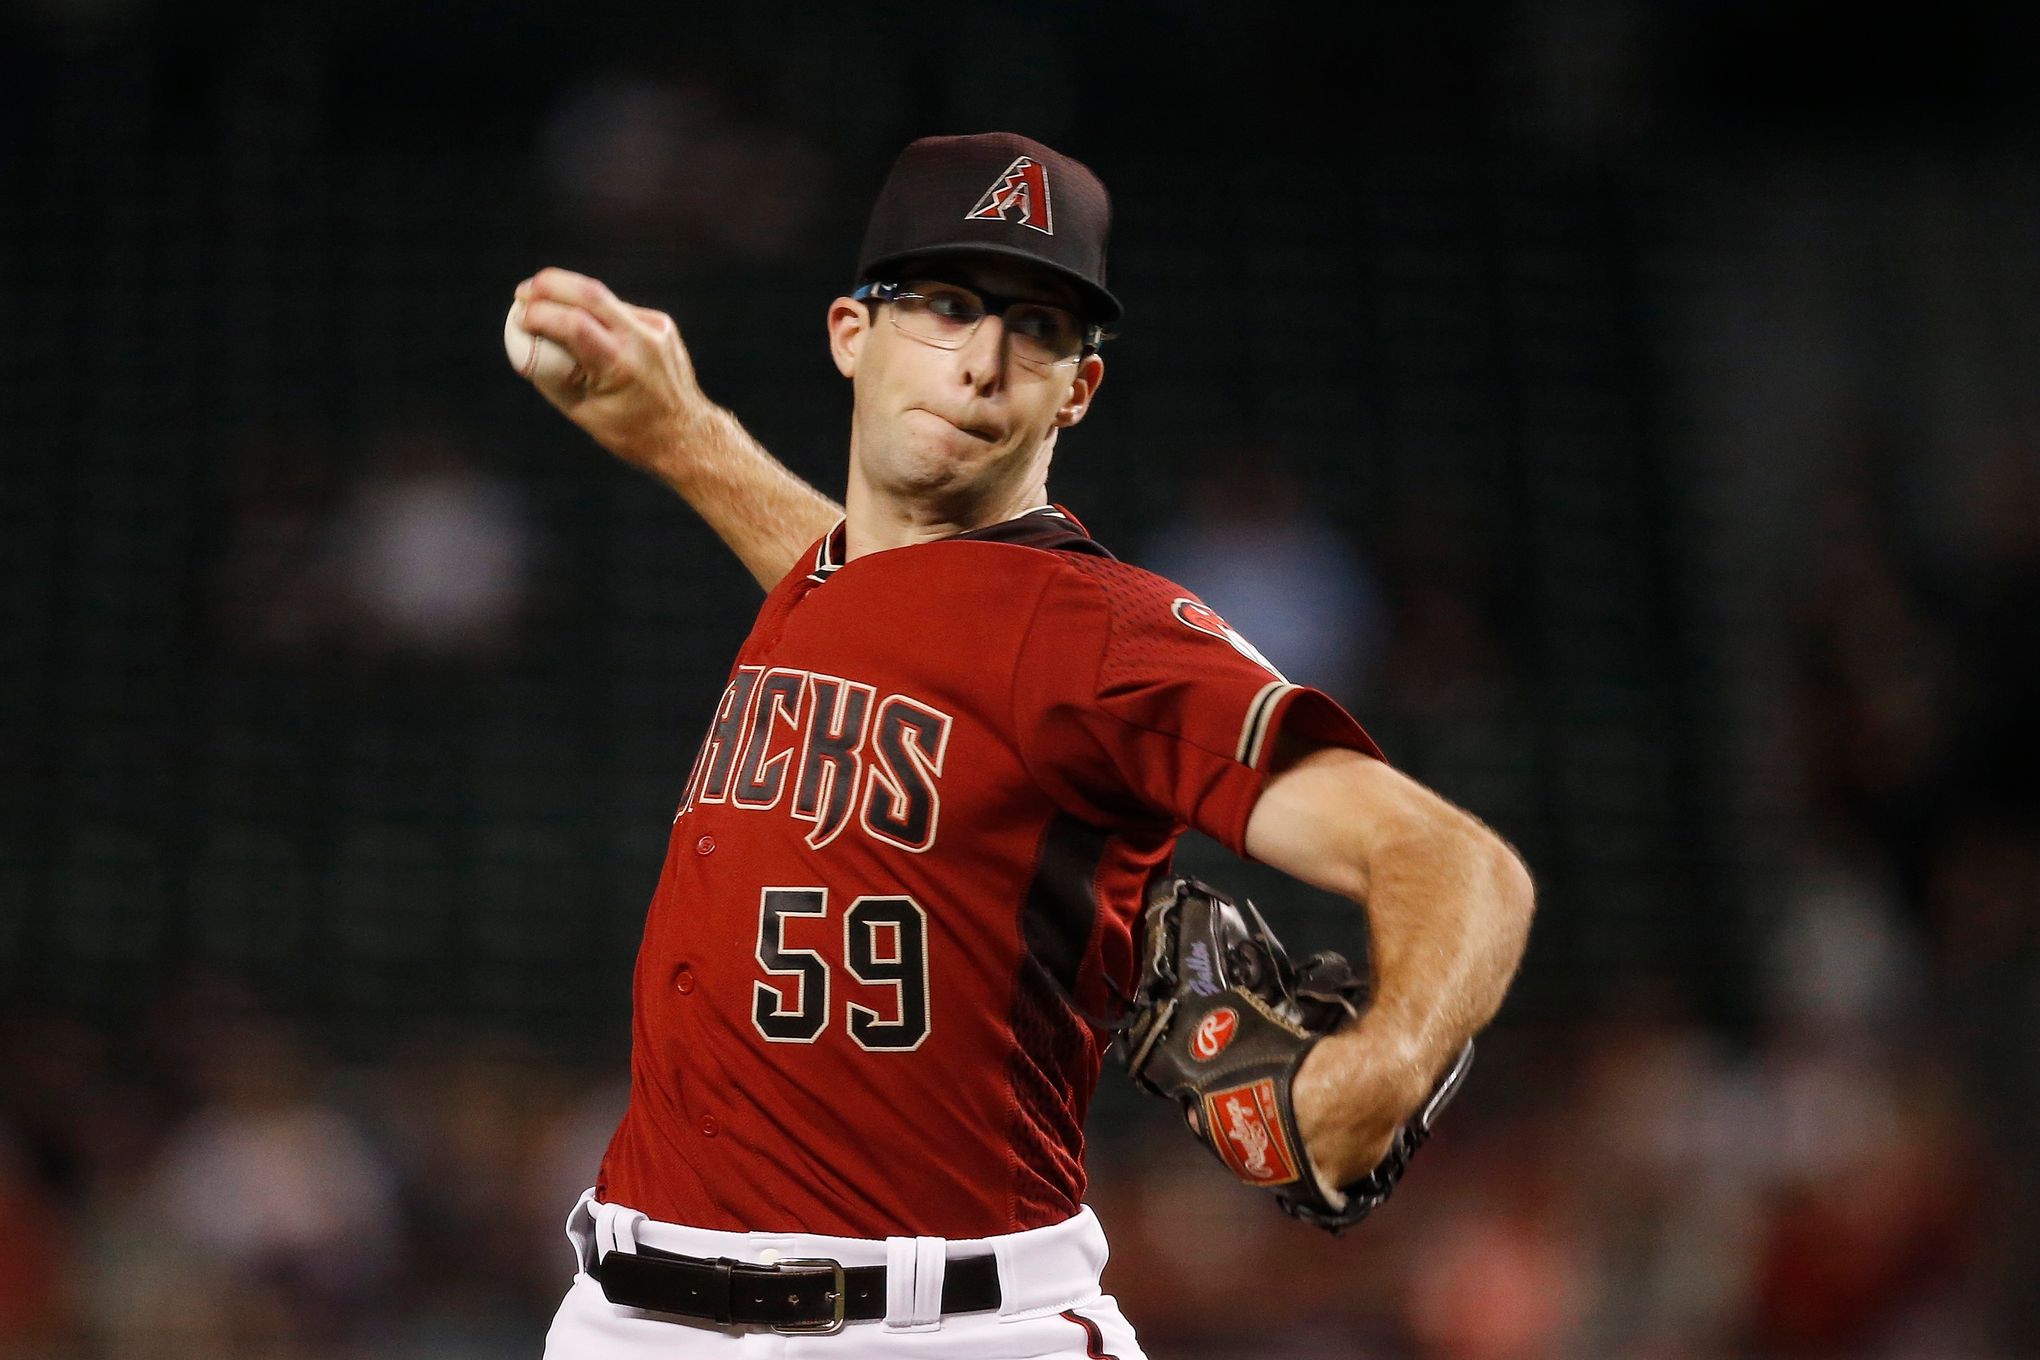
(954,427)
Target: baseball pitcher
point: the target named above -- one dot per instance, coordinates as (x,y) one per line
(918,877)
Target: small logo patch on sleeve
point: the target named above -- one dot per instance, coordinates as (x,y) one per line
(1249,1135)
(1202,618)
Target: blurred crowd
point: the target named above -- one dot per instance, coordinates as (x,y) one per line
(1842,1176)
(215,1185)
(416,548)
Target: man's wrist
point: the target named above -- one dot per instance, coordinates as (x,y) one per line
(677,449)
(1352,1093)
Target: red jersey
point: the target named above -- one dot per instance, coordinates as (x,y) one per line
(903,887)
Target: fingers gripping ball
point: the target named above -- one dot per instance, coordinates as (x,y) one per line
(1220,1022)
(538,360)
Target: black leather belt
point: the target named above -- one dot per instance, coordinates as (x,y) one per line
(792,1295)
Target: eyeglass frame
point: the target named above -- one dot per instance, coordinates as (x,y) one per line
(995,304)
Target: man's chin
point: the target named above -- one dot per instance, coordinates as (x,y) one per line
(942,486)
(937,466)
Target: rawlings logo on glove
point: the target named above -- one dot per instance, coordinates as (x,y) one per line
(1221,1020)
(1214,1032)
(1239,1121)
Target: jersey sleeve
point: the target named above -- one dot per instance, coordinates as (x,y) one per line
(1134,701)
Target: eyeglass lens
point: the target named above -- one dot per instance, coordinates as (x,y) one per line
(947,315)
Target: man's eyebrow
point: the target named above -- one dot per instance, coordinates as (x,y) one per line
(1047,292)
(1041,296)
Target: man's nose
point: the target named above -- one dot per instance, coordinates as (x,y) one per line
(983,356)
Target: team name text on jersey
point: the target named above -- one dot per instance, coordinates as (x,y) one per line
(840,751)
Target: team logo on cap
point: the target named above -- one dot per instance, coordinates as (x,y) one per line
(1213,1033)
(1022,185)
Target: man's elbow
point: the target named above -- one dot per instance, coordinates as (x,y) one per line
(1515,892)
(1497,882)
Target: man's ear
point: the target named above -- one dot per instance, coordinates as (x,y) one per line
(1090,373)
(849,323)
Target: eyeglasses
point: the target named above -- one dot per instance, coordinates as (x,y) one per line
(946,315)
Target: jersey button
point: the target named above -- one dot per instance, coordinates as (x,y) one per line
(705,846)
(709,1126)
(683,981)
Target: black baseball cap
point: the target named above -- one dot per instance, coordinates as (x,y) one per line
(994,193)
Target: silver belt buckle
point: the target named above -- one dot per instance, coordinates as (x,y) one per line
(829,1326)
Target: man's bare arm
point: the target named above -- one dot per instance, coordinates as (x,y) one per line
(1448,906)
(639,399)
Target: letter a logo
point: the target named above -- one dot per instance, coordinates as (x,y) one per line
(1022,185)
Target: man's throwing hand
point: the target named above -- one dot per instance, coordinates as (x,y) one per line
(633,386)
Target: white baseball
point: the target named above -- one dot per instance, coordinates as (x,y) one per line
(536,358)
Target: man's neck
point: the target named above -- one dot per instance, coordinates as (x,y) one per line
(874,521)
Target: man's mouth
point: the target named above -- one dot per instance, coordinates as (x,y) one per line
(974,431)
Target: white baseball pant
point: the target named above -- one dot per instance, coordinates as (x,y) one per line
(1048,1283)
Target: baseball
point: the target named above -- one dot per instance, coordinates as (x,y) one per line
(536,358)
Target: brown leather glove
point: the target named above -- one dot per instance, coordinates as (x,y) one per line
(1219,1022)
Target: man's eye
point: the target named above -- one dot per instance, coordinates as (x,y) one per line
(1039,324)
(953,306)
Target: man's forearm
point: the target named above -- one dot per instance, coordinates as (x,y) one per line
(1448,913)
(1448,906)
(754,503)
(1449,910)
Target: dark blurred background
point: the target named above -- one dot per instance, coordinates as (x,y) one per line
(1628,410)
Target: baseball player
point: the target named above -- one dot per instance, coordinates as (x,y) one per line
(903,891)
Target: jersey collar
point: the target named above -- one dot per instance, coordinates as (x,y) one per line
(1049,527)
(828,554)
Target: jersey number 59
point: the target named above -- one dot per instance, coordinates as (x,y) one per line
(885,943)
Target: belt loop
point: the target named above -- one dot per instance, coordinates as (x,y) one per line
(908,1272)
(615,1229)
(899,1285)
(931,1266)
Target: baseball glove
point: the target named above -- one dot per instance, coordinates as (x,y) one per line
(1219,1022)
